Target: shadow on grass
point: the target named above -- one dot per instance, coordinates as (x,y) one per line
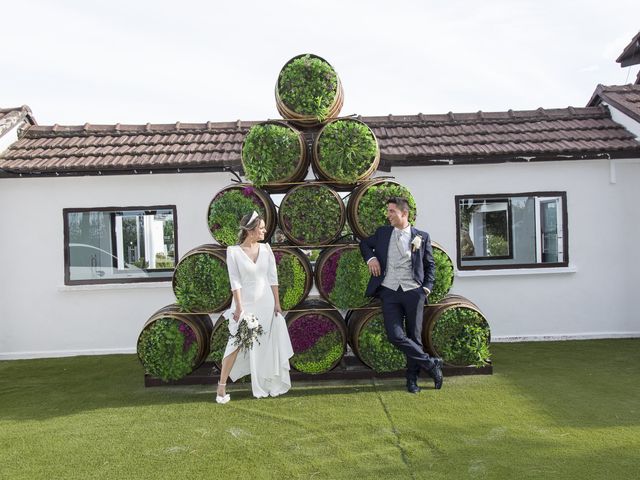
(48,388)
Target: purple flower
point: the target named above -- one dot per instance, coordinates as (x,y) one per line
(247,191)
(306,330)
(189,335)
(278,256)
(328,276)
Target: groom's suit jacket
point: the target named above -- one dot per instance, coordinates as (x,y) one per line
(422,263)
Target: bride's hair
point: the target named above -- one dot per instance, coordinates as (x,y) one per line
(246,226)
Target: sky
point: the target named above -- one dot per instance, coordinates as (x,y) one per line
(132,62)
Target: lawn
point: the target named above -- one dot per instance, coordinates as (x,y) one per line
(554,410)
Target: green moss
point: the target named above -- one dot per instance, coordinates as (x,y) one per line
(308,86)
(270,153)
(352,277)
(161,350)
(346,149)
(375,348)
(227,210)
(444,276)
(461,337)
(372,207)
(219,340)
(319,358)
(201,283)
(292,278)
(312,214)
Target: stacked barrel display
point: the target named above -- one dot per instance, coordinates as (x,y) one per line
(315,231)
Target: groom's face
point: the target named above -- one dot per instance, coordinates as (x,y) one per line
(396,217)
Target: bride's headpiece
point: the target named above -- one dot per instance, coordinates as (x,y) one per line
(254,215)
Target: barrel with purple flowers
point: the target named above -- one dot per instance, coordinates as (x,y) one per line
(318,335)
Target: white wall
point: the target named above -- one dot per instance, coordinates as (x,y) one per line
(40,317)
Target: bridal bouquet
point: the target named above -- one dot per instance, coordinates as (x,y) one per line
(249,330)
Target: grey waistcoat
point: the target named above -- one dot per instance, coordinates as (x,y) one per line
(399,271)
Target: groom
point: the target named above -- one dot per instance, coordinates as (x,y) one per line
(402,268)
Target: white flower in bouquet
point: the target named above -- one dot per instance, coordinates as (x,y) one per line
(249,330)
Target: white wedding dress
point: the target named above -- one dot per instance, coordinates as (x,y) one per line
(268,361)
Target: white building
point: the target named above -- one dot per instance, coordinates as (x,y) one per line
(537,209)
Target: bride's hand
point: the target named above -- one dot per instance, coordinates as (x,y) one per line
(277,309)
(236,314)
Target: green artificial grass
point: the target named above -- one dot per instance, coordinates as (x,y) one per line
(560,410)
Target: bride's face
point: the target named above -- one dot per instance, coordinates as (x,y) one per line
(258,232)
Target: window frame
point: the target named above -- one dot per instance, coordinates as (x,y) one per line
(67,260)
(507,266)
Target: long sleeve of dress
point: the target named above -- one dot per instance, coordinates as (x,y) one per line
(232,268)
(272,271)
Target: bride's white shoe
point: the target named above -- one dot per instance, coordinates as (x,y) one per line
(224,398)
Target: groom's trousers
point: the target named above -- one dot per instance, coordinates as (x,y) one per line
(403,313)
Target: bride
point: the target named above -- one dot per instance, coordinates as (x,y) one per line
(254,284)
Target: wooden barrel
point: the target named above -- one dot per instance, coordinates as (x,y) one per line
(444,273)
(368,340)
(303,119)
(461,353)
(325,173)
(279,184)
(196,328)
(228,234)
(319,337)
(327,217)
(385,188)
(209,289)
(354,287)
(292,291)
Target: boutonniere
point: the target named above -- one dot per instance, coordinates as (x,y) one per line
(416,242)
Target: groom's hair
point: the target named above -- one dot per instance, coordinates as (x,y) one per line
(400,202)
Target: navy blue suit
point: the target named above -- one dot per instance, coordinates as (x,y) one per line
(403,310)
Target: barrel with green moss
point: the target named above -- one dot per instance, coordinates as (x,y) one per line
(233,202)
(308,91)
(201,280)
(456,330)
(342,276)
(274,154)
(345,152)
(367,207)
(369,341)
(295,276)
(311,214)
(172,343)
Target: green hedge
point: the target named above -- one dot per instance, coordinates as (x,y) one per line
(345,276)
(292,279)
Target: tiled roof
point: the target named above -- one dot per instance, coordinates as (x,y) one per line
(631,53)
(482,137)
(625,98)
(10,117)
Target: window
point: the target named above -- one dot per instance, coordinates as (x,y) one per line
(116,245)
(512,230)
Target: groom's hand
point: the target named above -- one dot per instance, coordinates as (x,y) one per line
(374,266)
